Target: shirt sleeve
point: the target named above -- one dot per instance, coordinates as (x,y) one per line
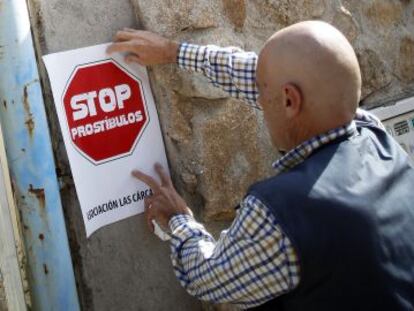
(231,69)
(252,262)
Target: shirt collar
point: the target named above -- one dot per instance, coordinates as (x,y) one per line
(305,149)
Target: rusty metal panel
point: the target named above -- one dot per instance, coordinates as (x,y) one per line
(32,166)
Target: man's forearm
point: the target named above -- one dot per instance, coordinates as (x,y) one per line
(230,69)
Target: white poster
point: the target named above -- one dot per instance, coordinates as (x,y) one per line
(110,126)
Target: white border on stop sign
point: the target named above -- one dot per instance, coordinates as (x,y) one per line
(97,185)
(143,92)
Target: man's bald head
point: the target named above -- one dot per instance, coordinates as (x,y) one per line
(311,62)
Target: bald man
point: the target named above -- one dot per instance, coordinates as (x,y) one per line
(334,228)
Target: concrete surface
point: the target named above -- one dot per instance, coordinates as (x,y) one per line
(122,266)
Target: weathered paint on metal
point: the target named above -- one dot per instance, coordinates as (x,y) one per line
(29,151)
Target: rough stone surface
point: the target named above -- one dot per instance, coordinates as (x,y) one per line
(406,59)
(228,153)
(375,75)
(216,146)
(3,301)
(382,26)
(385,13)
(286,12)
(344,21)
(235,10)
(186,15)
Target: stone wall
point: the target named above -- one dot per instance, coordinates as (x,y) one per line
(3,299)
(216,146)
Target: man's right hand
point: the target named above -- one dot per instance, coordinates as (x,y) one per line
(144,47)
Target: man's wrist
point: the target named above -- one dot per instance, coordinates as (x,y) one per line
(191,56)
(173,51)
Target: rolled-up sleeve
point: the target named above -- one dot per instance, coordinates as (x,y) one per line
(231,69)
(252,262)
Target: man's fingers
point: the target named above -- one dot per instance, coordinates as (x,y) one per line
(126,46)
(148,201)
(165,179)
(130,34)
(148,218)
(123,36)
(151,182)
(120,47)
(131,58)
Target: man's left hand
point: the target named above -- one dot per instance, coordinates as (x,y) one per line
(165,201)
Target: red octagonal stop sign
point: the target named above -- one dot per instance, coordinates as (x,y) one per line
(105,110)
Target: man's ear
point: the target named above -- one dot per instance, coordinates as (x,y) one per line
(292,100)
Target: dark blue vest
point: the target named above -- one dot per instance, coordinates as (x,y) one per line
(349,212)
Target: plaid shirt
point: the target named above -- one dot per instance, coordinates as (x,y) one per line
(253,261)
